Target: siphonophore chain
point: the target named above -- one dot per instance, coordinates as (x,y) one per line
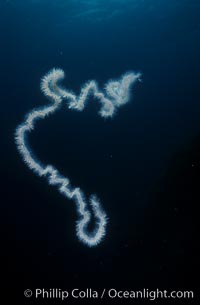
(116,93)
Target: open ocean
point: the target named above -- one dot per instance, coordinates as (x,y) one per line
(143,163)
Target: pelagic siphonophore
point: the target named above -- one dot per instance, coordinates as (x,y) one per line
(116,93)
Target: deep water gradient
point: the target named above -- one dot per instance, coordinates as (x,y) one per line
(143,164)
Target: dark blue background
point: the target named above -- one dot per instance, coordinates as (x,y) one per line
(149,187)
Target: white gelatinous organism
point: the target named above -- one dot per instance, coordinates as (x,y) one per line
(115,94)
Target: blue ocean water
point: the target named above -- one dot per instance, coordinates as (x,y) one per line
(123,159)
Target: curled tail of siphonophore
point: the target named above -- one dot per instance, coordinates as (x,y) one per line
(115,94)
